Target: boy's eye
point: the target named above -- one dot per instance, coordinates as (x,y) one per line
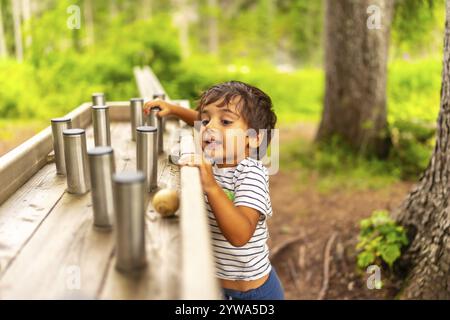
(226,122)
(205,122)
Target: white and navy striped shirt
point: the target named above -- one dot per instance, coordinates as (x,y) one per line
(248,184)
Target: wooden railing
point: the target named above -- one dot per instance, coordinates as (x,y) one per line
(27,175)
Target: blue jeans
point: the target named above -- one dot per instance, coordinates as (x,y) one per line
(269,290)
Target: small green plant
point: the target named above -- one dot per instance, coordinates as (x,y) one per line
(380,238)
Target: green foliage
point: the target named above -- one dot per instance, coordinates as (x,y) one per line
(296,95)
(380,238)
(417,27)
(413,106)
(55,78)
(335,167)
(19,92)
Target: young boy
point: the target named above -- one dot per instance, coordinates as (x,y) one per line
(236,186)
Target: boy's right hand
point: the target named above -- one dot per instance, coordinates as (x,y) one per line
(166,108)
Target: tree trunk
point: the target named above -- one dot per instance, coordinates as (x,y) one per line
(426,211)
(89,21)
(213,34)
(26,10)
(113,10)
(146,9)
(17,29)
(26,16)
(3,48)
(183,15)
(356,52)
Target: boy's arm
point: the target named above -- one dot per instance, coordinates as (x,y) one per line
(237,224)
(187,115)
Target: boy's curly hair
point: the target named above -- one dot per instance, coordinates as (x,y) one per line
(253,105)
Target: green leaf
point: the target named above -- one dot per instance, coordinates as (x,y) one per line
(389,253)
(365,259)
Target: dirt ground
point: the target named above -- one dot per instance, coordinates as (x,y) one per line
(304,221)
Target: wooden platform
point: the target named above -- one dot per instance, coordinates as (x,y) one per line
(49,248)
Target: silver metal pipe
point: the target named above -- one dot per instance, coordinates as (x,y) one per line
(100,122)
(147,155)
(154,121)
(136,105)
(58,126)
(75,156)
(98,99)
(129,202)
(102,167)
(161,96)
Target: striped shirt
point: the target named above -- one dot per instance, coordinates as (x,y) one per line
(246,184)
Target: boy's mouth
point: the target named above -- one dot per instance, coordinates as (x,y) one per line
(212,144)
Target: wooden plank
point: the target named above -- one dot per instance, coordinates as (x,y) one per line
(151,88)
(66,249)
(81,249)
(21,163)
(139,83)
(119,111)
(25,210)
(198,274)
(145,89)
(144,83)
(161,278)
(81,116)
(22,213)
(158,88)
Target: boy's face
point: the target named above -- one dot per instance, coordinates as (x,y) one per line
(224,133)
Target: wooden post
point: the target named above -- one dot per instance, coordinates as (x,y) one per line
(198,272)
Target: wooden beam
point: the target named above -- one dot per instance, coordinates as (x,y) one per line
(198,273)
(65,250)
(161,277)
(21,163)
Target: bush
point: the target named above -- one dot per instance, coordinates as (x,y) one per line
(54,80)
(380,240)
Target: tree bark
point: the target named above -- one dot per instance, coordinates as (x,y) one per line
(17,29)
(355,65)
(89,21)
(3,48)
(26,16)
(213,33)
(113,10)
(183,14)
(426,211)
(147,9)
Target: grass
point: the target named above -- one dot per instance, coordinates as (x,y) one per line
(332,168)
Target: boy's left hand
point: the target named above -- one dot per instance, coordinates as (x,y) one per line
(205,166)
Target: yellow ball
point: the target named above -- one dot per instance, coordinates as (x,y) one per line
(166,202)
